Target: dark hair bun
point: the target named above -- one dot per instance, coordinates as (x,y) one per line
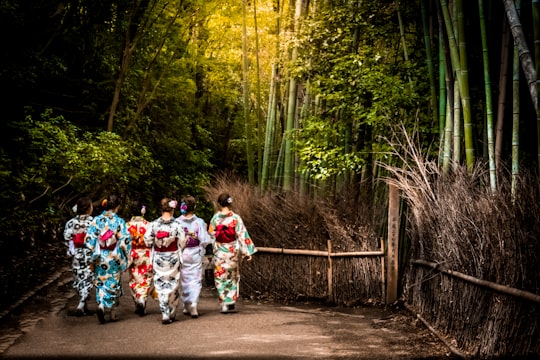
(224,200)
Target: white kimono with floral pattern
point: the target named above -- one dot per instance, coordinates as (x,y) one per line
(141,279)
(226,255)
(196,240)
(163,235)
(82,268)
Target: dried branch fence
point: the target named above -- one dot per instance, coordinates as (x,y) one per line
(339,277)
(526,295)
(475,317)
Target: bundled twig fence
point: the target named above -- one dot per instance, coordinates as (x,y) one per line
(330,292)
(491,239)
(490,313)
(308,249)
(345,278)
(479,318)
(487,284)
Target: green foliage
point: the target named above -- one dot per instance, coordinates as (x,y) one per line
(347,52)
(92,162)
(63,162)
(319,154)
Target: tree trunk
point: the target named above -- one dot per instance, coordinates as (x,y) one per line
(464,90)
(269,144)
(429,60)
(459,64)
(132,36)
(148,90)
(260,127)
(456,131)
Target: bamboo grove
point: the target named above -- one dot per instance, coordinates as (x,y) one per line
(356,69)
(328,99)
(293,95)
(325,98)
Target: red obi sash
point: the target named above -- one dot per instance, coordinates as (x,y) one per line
(162,234)
(171,247)
(78,240)
(105,247)
(225,234)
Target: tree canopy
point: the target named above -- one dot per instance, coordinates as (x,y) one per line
(152,98)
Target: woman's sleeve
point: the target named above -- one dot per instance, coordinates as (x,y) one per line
(246,244)
(124,238)
(149,235)
(68,237)
(204,237)
(181,234)
(90,241)
(67,231)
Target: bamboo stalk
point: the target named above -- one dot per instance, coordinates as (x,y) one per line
(494,286)
(318,253)
(489,107)
(520,42)
(515,114)
(536,32)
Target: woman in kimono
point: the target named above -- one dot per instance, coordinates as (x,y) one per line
(166,237)
(141,270)
(196,240)
(74,235)
(232,242)
(109,241)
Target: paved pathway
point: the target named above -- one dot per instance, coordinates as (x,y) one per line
(46,328)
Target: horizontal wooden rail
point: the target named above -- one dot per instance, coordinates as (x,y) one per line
(329,255)
(318,252)
(494,286)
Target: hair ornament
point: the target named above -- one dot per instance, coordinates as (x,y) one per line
(173,203)
(104,202)
(183,208)
(74,208)
(143,210)
(229,200)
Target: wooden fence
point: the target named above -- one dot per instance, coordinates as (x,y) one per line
(341,274)
(330,255)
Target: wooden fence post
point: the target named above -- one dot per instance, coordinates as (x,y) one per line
(392,243)
(330,274)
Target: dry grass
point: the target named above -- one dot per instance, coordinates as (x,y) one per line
(455,220)
(288,220)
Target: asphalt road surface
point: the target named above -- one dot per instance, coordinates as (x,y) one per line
(45,327)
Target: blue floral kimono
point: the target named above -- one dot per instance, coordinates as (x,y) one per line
(109,241)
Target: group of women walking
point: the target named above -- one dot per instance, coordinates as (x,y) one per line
(164,257)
